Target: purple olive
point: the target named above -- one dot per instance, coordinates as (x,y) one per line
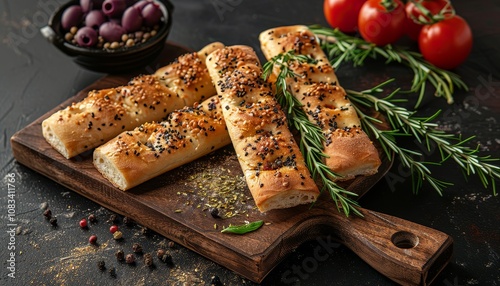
(152,14)
(111,32)
(132,19)
(139,5)
(95,19)
(86,37)
(71,17)
(86,5)
(114,8)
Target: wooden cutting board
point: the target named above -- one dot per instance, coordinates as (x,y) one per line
(177,205)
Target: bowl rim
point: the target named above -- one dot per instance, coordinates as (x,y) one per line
(73,50)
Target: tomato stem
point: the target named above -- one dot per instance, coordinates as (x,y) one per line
(427,17)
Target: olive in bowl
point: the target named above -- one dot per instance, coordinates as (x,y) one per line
(110,36)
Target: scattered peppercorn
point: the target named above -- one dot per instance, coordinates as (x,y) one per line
(113,218)
(148,259)
(117,235)
(127,221)
(101,265)
(83,223)
(216,281)
(93,239)
(214,212)
(160,252)
(137,248)
(113,228)
(130,259)
(53,221)
(120,255)
(92,218)
(47,213)
(112,272)
(167,258)
(171,244)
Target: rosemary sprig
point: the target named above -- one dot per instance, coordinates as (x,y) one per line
(403,122)
(311,136)
(341,48)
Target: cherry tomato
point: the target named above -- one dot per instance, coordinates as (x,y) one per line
(343,14)
(380,25)
(446,44)
(414,14)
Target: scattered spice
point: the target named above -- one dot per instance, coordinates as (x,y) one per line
(120,255)
(113,228)
(101,265)
(130,258)
(171,244)
(214,212)
(160,252)
(93,239)
(127,221)
(117,235)
(137,248)
(216,281)
(148,259)
(113,218)
(83,223)
(53,221)
(92,218)
(112,272)
(47,213)
(167,258)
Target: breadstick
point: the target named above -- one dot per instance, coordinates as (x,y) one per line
(152,149)
(350,152)
(105,113)
(271,161)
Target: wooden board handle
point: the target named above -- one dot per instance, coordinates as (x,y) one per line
(403,251)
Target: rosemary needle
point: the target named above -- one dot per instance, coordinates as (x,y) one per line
(404,123)
(341,48)
(311,136)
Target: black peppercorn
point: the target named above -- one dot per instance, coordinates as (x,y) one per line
(53,221)
(216,281)
(137,248)
(92,218)
(167,258)
(214,212)
(101,265)
(127,221)
(120,255)
(171,244)
(113,218)
(160,252)
(112,272)
(148,259)
(130,259)
(47,213)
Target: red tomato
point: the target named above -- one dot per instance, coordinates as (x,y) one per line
(413,14)
(343,14)
(380,25)
(446,44)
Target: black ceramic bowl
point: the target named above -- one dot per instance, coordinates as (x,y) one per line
(121,60)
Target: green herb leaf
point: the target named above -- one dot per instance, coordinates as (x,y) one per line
(311,136)
(244,228)
(341,48)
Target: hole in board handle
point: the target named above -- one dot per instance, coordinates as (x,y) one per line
(404,239)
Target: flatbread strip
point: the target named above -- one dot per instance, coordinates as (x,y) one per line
(105,113)
(152,149)
(274,168)
(350,151)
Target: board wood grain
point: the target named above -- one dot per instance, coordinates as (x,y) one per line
(176,205)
